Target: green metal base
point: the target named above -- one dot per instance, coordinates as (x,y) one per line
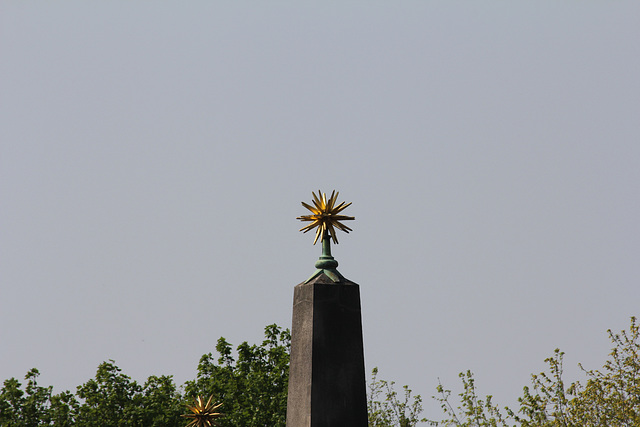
(327,264)
(332,274)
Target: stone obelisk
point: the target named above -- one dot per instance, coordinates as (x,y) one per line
(327,375)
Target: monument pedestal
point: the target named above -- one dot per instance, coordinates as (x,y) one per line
(327,375)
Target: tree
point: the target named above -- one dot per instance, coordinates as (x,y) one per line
(28,408)
(112,399)
(253,388)
(11,402)
(610,397)
(162,404)
(386,409)
(472,410)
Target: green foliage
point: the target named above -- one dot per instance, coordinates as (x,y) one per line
(161,402)
(472,410)
(11,402)
(35,405)
(252,385)
(62,409)
(110,399)
(386,409)
(24,408)
(253,388)
(610,397)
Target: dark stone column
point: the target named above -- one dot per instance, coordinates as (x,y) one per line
(327,377)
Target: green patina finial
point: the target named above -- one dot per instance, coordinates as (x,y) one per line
(326,218)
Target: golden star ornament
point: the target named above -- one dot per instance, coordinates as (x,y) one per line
(325,216)
(203,414)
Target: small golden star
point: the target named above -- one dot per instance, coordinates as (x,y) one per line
(204,414)
(325,216)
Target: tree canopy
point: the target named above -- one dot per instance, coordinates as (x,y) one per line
(251,383)
(609,397)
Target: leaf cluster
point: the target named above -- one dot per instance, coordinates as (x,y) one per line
(387,409)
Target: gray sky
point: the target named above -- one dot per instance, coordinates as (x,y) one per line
(154,156)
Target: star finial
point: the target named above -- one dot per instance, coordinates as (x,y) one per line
(203,414)
(325,216)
